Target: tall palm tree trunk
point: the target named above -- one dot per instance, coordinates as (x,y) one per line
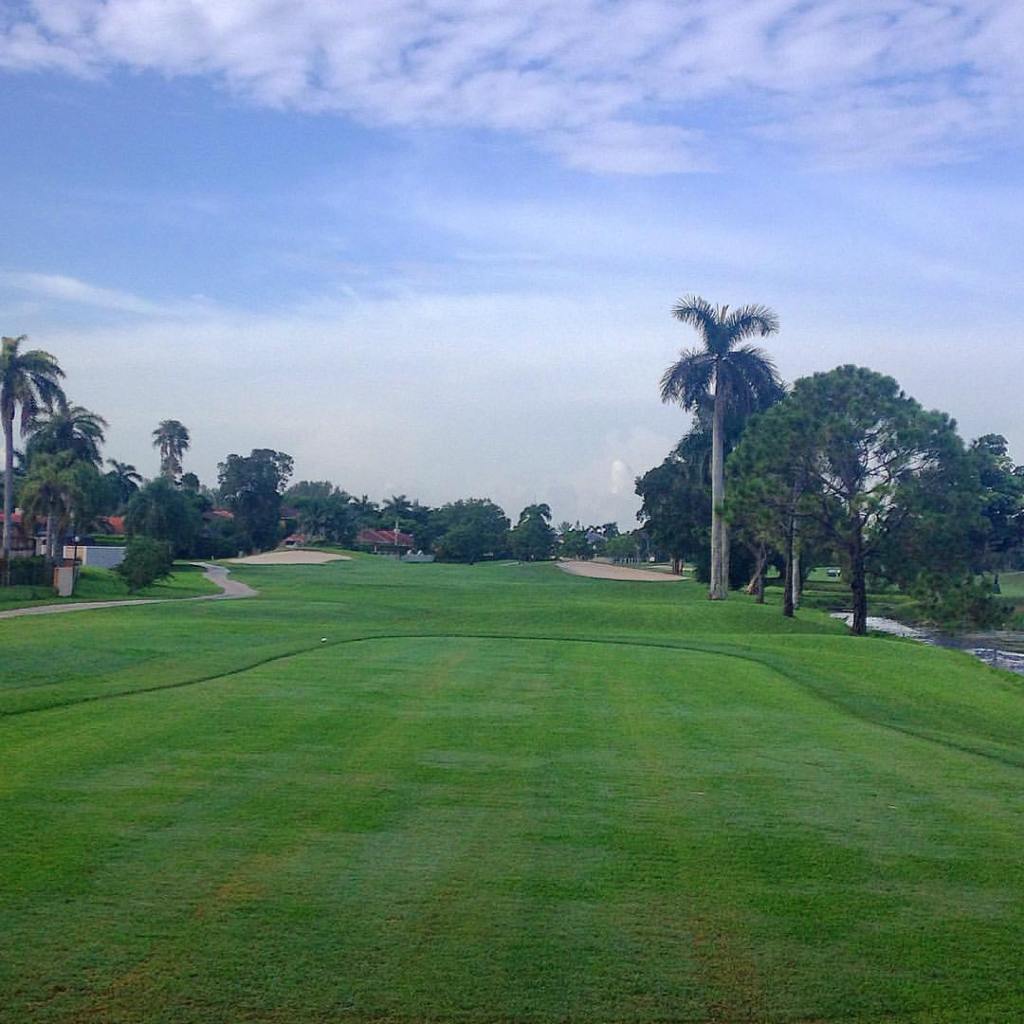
(50,527)
(726,553)
(718,585)
(8,483)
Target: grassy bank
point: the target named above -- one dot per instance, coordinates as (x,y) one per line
(105,585)
(829,595)
(1011,584)
(502,793)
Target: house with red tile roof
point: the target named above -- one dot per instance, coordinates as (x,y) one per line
(385,542)
(113,526)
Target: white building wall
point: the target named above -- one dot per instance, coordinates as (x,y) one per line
(100,556)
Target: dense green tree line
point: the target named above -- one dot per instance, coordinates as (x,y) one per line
(843,466)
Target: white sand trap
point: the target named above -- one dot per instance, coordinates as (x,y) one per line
(604,571)
(291,558)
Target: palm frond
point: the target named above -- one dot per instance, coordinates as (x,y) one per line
(29,379)
(29,408)
(688,380)
(37,361)
(751,379)
(704,411)
(86,420)
(746,321)
(124,469)
(699,314)
(69,428)
(50,392)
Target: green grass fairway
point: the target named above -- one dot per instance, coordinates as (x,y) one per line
(502,793)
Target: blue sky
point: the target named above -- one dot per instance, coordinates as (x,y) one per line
(431,247)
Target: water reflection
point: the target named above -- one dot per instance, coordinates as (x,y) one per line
(1001,648)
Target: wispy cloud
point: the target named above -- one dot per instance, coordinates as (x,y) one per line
(64,289)
(644,86)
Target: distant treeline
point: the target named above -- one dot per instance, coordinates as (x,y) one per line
(65,488)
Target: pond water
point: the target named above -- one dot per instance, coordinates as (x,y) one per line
(1000,648)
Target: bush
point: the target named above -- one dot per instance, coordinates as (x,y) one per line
(958,603)
(741,565)
(146,561)
(21,572)
(220,539)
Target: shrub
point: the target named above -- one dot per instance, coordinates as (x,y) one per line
(960,602)
(20,572)
(146,561)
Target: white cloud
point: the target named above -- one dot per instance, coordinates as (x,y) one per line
(644,86)
(621,147)
(621,477)
(61,288)
(23,47)
(64,289)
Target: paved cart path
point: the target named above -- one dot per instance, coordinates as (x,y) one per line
(216,574)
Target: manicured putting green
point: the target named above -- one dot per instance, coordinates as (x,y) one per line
(502,794)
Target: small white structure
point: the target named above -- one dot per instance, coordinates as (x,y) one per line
(64,580)
(99,556)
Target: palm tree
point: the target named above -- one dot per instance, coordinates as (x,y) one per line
(71,429)
(397,506)
(171,437)
(29,381)
(53,490)
(365,511)
(125,478)
(730,378)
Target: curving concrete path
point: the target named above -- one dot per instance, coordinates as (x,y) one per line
(218,575)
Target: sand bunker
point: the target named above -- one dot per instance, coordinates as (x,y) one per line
(290,558)
(604,571)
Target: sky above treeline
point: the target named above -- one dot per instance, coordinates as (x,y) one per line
(430,247)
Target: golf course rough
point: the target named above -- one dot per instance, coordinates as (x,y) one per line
(501,793)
